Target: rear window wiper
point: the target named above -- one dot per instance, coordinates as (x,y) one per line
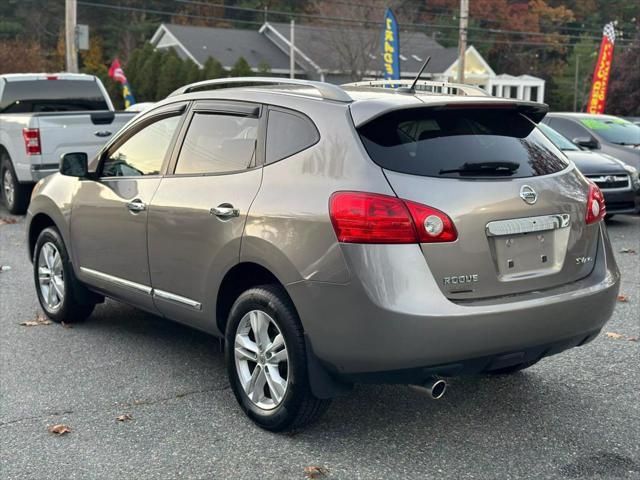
(485,168)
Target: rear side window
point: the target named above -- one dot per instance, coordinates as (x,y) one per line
(460,143)
(218,143)
(51,96)
(288,133)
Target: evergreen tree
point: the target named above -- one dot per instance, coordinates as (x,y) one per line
(171,75)
(191,72)
(213,69)
(241,69)
(148,76)
(264,68)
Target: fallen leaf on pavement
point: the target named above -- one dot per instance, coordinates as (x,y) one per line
(39,320)
(623,298)
(633,339)
(124,418)
(7,221)
(59,429)
(315,472)
(628,250)
(66,325)
(614,335)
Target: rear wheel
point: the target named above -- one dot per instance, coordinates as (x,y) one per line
(14,193)
(55,282)
(266,361)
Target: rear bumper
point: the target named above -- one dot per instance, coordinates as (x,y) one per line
(392,318)
(622,201)
(38,172)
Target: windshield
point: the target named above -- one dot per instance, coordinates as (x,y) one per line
(614,130)
(563,143)
(460,142)
(27,96)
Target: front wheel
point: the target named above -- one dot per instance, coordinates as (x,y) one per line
(55,282)
(266,361)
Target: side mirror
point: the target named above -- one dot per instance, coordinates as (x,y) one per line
(586,142)
(74,164)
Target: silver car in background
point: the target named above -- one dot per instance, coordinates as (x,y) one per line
(333,235)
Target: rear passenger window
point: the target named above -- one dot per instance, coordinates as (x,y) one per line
(217,143)
(288,133)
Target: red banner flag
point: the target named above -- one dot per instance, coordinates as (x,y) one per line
(600,82)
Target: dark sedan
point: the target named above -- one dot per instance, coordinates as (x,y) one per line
(619,182)
(603,133)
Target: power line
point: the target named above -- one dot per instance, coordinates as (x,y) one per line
(495,31)
(406,26)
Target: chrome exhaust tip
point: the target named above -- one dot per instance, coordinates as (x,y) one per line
(434,388)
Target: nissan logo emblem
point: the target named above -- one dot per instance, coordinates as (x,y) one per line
(528,194)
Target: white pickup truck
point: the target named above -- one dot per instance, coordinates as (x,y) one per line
(43,116)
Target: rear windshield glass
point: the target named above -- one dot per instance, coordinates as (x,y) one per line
(51,96)
(460,143)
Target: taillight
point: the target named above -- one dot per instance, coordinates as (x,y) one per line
(31,138)
(596,209)
(360,217)
(432,225)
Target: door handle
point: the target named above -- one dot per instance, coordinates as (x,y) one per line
(136,206)
(225,210)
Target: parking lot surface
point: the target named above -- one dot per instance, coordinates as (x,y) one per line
(575,415)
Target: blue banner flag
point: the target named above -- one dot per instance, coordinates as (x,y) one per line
(390,47)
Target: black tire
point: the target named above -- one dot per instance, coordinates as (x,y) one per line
(21,191)
(70,309)
(513,368)
(298,407)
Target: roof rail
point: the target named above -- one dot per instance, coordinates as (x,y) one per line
(445,87)
(327,90)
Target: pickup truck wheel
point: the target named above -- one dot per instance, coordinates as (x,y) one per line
(14,193)
(267,363)
(55,282)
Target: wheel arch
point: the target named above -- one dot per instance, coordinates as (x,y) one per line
(38,223)
(241,277)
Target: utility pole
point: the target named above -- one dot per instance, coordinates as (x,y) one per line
(292,63)
(462,38)
(575,84)
(70,36)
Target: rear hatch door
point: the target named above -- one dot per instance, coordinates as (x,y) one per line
(518,205)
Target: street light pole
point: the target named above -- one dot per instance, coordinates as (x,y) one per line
(575,84)
(70,36)
(462,38)
(292,51)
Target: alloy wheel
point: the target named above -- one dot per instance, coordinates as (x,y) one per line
(261,358)
(51,276)
(8,189)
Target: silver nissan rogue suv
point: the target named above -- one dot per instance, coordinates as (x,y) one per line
(333,235)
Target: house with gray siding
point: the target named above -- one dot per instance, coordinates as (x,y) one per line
(338,55)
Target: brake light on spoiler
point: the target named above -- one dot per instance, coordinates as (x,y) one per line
(360,217)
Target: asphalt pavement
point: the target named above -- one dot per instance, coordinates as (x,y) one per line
(575,415)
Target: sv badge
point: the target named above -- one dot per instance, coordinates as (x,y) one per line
(583,260)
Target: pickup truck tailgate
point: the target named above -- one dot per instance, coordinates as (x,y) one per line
(64,132)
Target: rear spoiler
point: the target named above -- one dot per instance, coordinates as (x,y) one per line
(533,111)
(364,112)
